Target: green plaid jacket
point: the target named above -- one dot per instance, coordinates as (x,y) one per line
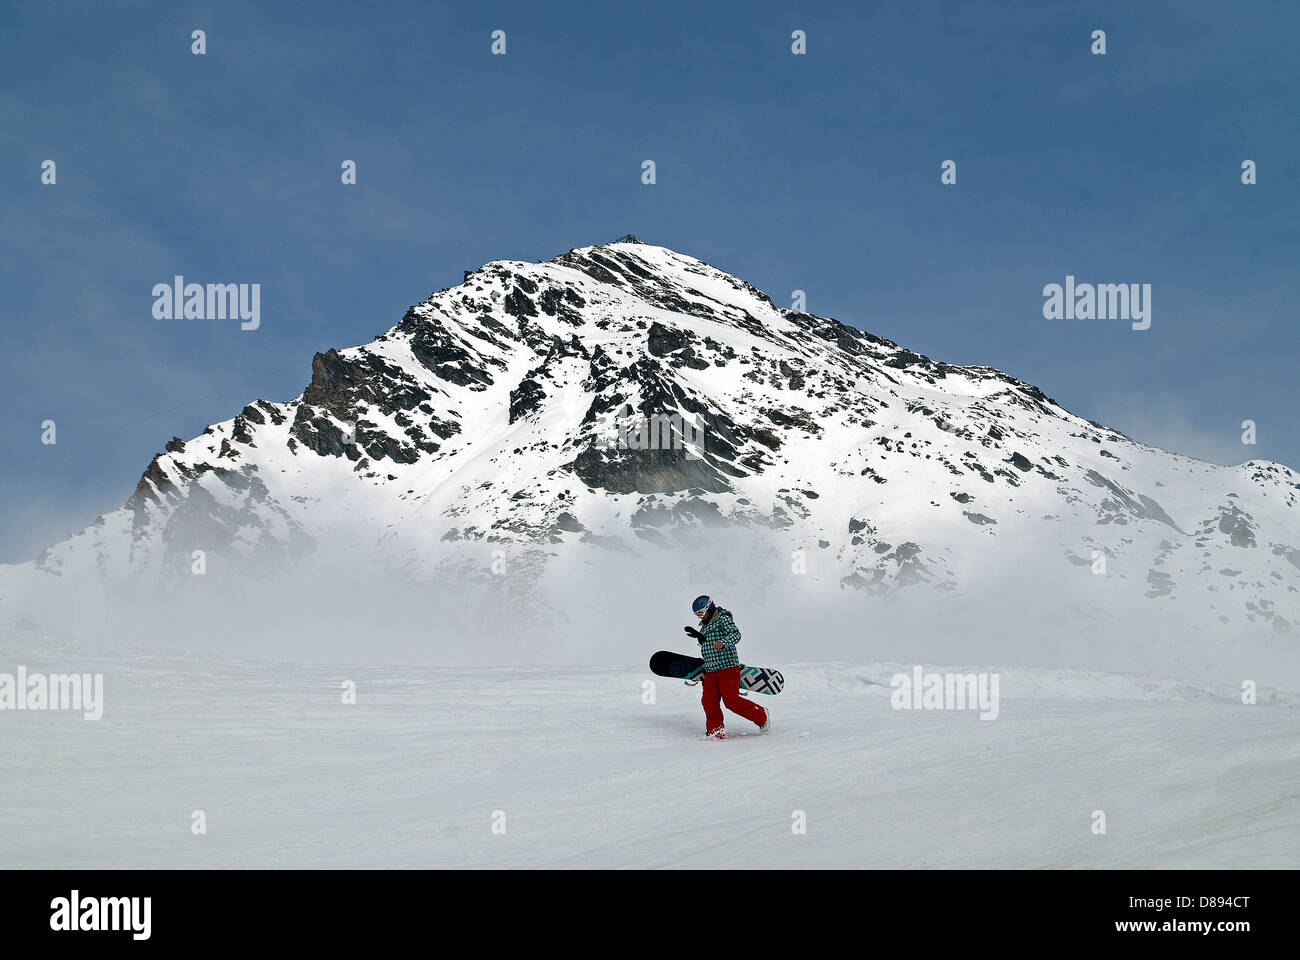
(720,628)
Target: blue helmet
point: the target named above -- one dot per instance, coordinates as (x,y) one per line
(701,604)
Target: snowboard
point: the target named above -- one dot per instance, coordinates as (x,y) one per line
(691,669)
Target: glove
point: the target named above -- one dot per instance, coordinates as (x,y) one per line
(694,633)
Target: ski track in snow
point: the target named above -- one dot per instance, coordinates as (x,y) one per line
(589,776)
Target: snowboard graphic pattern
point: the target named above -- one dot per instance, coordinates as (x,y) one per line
(761,680)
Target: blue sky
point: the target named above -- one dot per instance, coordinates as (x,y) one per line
(817,172)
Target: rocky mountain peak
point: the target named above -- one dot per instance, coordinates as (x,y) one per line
(623,399)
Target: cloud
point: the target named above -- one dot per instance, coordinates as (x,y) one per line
(1168,421)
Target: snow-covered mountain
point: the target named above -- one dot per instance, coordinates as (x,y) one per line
(492,437)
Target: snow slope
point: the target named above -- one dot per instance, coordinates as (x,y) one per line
(588,775)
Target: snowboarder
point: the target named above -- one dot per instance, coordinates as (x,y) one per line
(717,638)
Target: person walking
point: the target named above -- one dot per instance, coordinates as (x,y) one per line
(717,637)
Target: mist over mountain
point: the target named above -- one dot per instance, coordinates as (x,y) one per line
(546,462)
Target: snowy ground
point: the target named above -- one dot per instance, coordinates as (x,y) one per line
(590,776)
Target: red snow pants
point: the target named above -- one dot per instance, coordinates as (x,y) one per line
(724,685)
